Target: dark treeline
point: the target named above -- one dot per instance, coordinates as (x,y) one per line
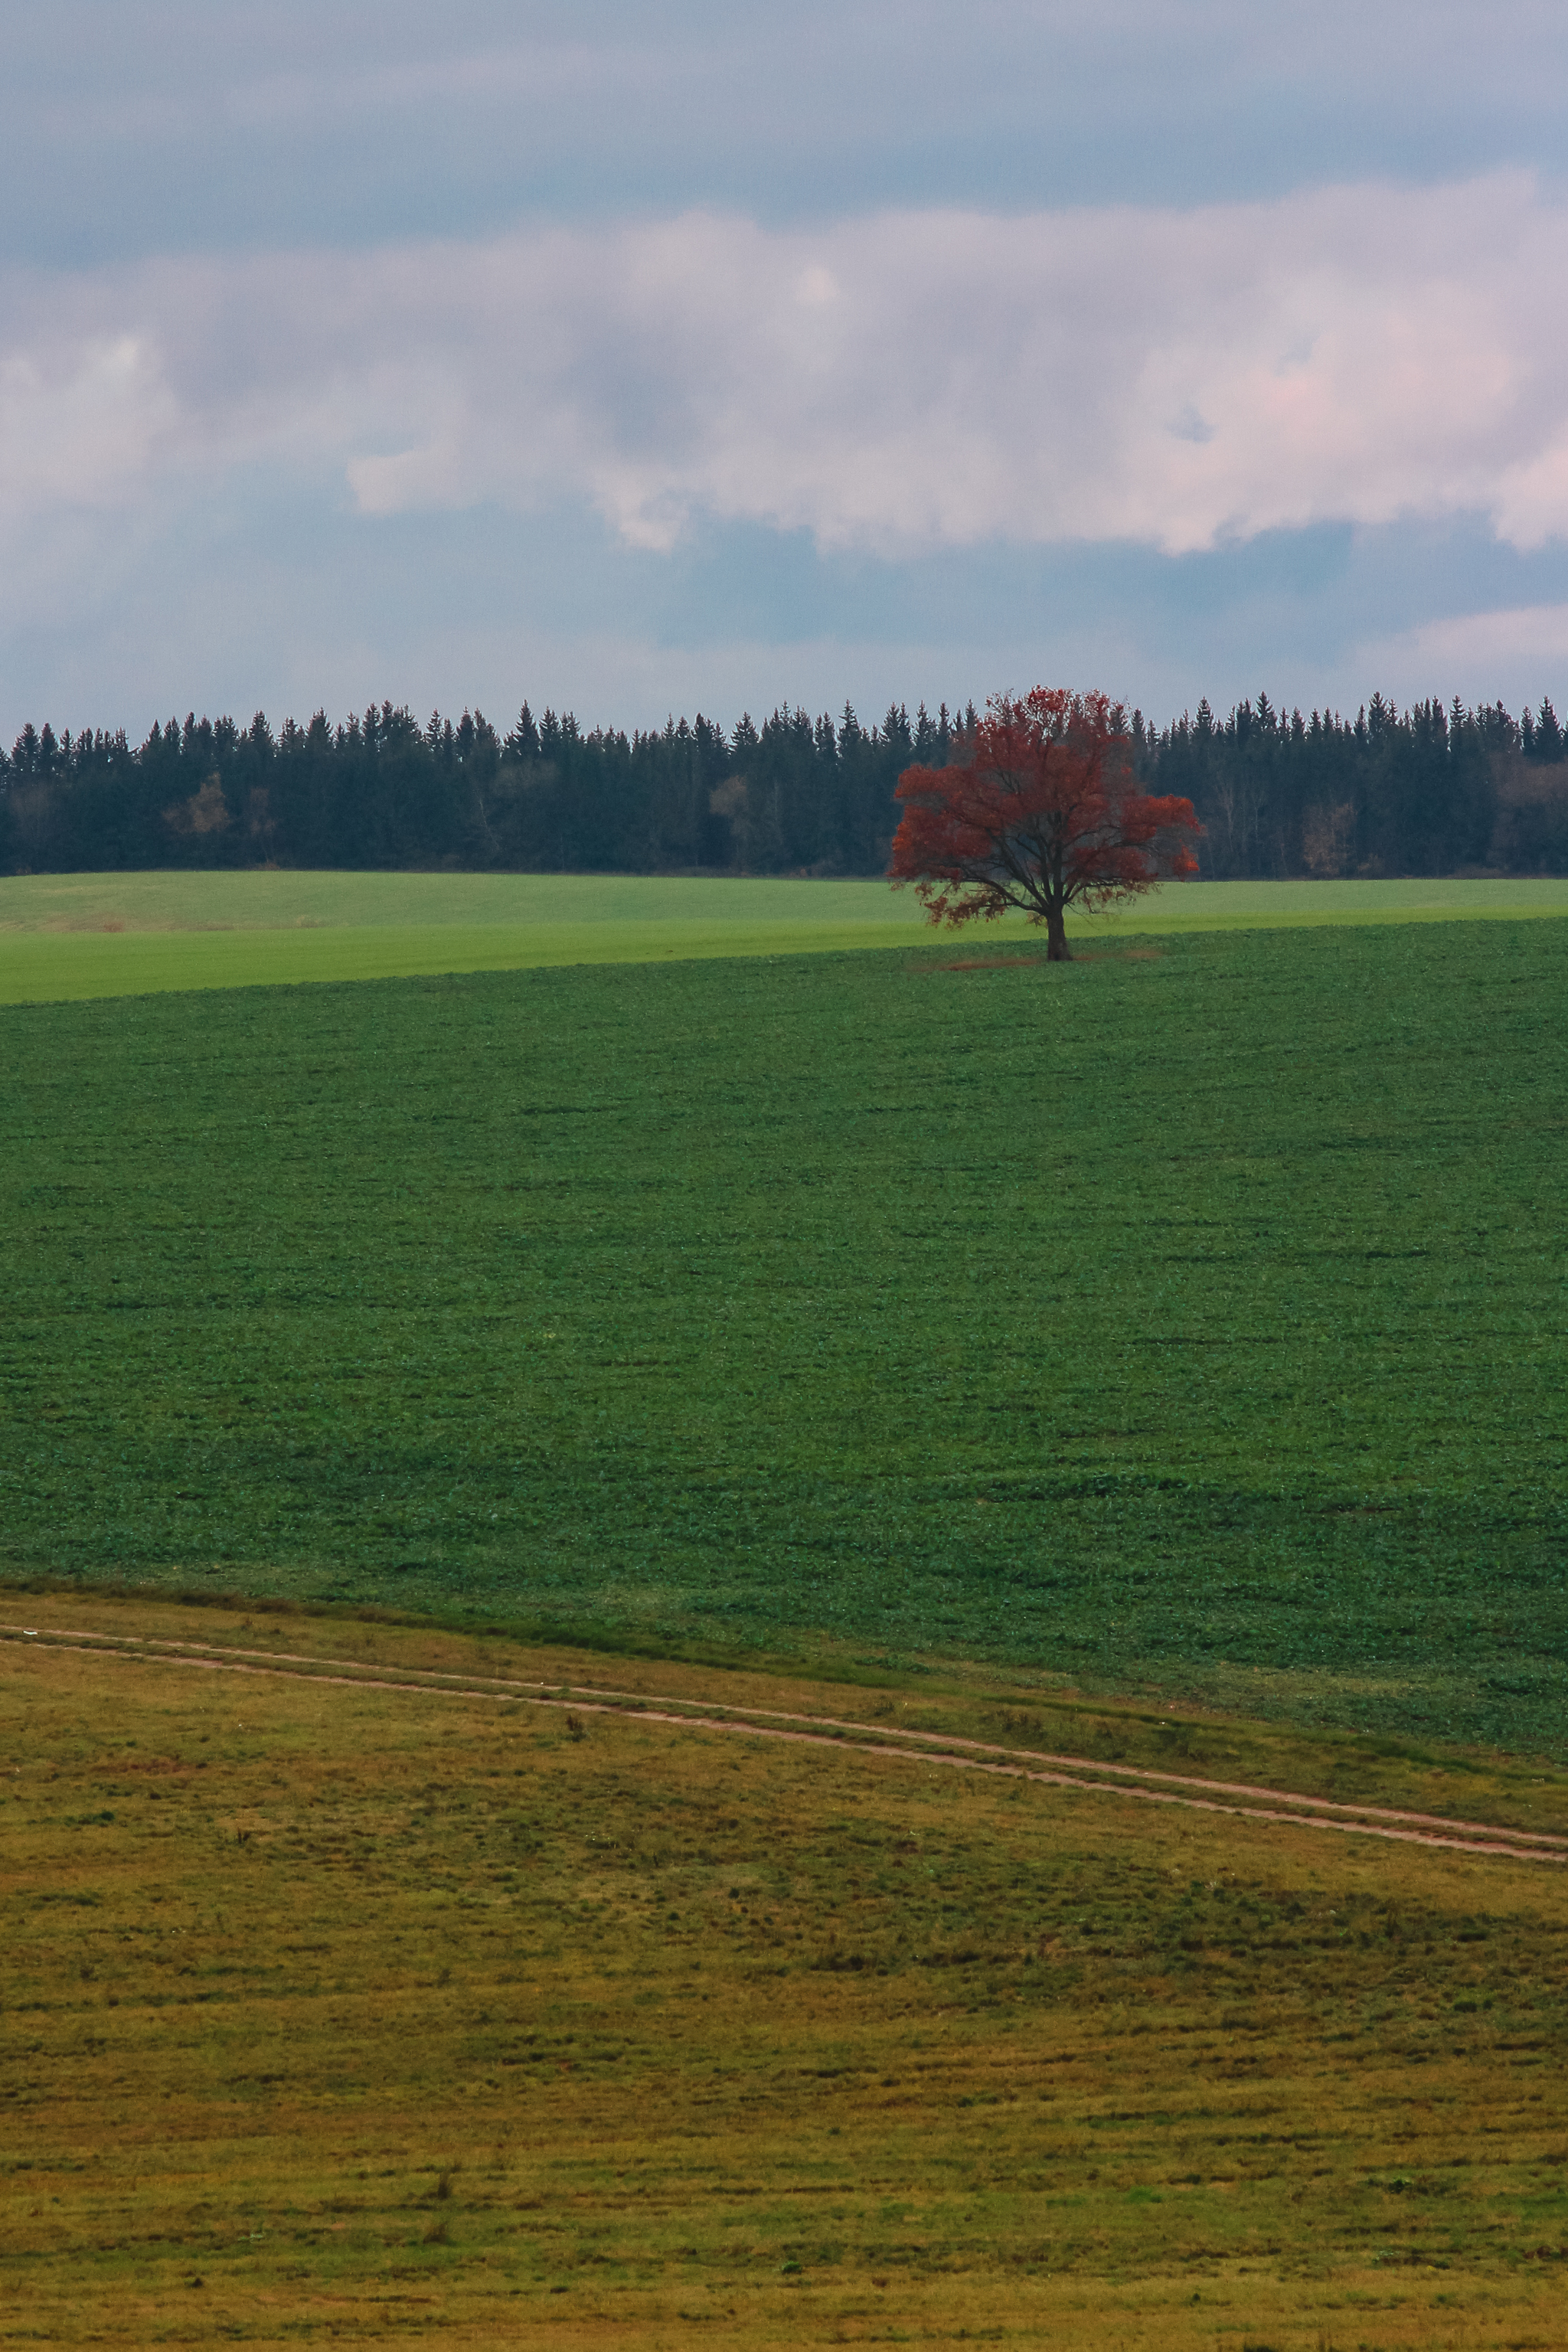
(1426,791)
(796,794)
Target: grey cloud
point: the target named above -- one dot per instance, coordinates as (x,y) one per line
(133,129)
(1176,379)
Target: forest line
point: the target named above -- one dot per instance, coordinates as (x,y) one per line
(1430,790)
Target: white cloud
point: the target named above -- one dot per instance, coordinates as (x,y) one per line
(81,421)
(1480,657)
(903,382)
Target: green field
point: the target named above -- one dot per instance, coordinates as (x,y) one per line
(1154,1361)
(1190,1317)
(65,936)
(428,2015)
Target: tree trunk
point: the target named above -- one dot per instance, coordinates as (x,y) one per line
(1056,948)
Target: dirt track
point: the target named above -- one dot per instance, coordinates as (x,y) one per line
(1082,1774)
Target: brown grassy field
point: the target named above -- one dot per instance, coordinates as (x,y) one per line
(335,2010)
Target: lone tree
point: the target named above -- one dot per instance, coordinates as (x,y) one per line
(1041,811)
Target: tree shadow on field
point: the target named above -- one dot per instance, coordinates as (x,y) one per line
(1039,963)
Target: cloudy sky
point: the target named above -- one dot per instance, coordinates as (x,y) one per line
(645,358)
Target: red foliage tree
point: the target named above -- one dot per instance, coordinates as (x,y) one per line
(1041,811)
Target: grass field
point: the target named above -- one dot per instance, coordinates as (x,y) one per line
(66,936)
(1190,1319)
(407,2015)
(1153,1362)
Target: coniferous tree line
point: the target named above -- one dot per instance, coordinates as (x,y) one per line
(1425,790)
(1428,791)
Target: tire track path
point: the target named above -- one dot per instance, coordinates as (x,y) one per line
(1080,1775)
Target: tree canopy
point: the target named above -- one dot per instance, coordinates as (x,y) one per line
(1040,811)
